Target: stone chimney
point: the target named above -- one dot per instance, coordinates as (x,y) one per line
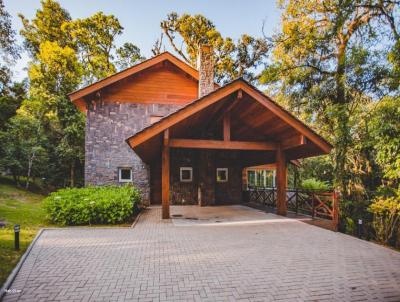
(205,65)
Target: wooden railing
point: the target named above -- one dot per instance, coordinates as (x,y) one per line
(315,204)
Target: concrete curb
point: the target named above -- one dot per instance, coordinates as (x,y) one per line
(137,218)
(17,268)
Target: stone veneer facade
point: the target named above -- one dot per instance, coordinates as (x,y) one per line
(108,125)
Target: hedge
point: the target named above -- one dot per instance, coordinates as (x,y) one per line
(92,205)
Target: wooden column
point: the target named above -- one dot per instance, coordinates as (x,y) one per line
(281,182)
(165,176)
(227,126)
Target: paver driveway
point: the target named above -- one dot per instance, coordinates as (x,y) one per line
(266,258)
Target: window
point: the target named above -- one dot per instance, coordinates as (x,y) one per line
(125,174)
(222,174)
(261,178)
(186,174)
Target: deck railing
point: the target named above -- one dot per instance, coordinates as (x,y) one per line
(313,203)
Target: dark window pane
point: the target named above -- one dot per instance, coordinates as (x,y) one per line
(186,174)
(126,174)
(222,175)
(251,178)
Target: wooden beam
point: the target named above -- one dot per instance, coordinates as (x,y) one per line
(165,175)
(181,115)
(281,182)
(287,117)
(295,141)
(227,126)
(226,145)
(237,100)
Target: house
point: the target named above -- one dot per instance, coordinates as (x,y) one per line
(181,138)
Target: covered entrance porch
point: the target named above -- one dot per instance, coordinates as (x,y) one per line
(197,154)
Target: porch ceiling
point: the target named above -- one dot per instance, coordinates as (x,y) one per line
(253,118)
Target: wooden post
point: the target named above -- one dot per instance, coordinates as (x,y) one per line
(227,126)
(281,179)
(165,176)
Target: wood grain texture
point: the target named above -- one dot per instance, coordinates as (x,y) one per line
(225,145)
(165,175)
(163,84)
(166,56)
(281,182)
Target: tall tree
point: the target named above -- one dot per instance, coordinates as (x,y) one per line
(66,54)
(46,26)
(8,48)
(232,59)
(95,39)
(128,55)
(327,61)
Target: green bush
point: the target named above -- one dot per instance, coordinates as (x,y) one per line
(92,205)
(314,185)
(386,221)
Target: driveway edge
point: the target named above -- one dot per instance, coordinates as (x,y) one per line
(17,268)
(137,218)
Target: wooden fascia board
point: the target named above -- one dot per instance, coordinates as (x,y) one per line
(296,141)
(130,71)
(285,116)
(181,115)
(225,145)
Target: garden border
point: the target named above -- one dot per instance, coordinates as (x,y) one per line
(10,279)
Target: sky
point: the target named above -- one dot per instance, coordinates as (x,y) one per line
(141,19)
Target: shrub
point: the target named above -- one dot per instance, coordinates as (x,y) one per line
(386,211)
(92,205)
(314,185)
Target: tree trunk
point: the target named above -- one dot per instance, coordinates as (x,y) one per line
(342,118)
(30,163)
(72,174)
(29,173)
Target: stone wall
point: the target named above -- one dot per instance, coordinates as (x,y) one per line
(108,125)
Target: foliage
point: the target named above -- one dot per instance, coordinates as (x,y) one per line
(24,146)
(10,101)
(232,59)
(92,205)
(386,221)
(94,38)
(66,53)
(128,55)
(326,63)
(8,48)
(385,128)
(313,184)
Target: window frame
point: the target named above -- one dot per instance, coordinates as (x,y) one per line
(181,170)
(120,179)
(226,174)
(261,175)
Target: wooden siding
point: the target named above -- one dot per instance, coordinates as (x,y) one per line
(161,84)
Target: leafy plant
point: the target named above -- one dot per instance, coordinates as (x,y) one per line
(314,185)
(386,221)
(92,205)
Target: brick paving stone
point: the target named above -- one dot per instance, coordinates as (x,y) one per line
(271,260)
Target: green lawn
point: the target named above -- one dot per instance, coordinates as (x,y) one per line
(18,206)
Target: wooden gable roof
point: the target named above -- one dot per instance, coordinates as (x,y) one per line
(254,117)
(77,97)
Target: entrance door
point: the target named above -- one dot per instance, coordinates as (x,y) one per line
(222,195)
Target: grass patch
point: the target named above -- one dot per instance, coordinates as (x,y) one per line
(18,206)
